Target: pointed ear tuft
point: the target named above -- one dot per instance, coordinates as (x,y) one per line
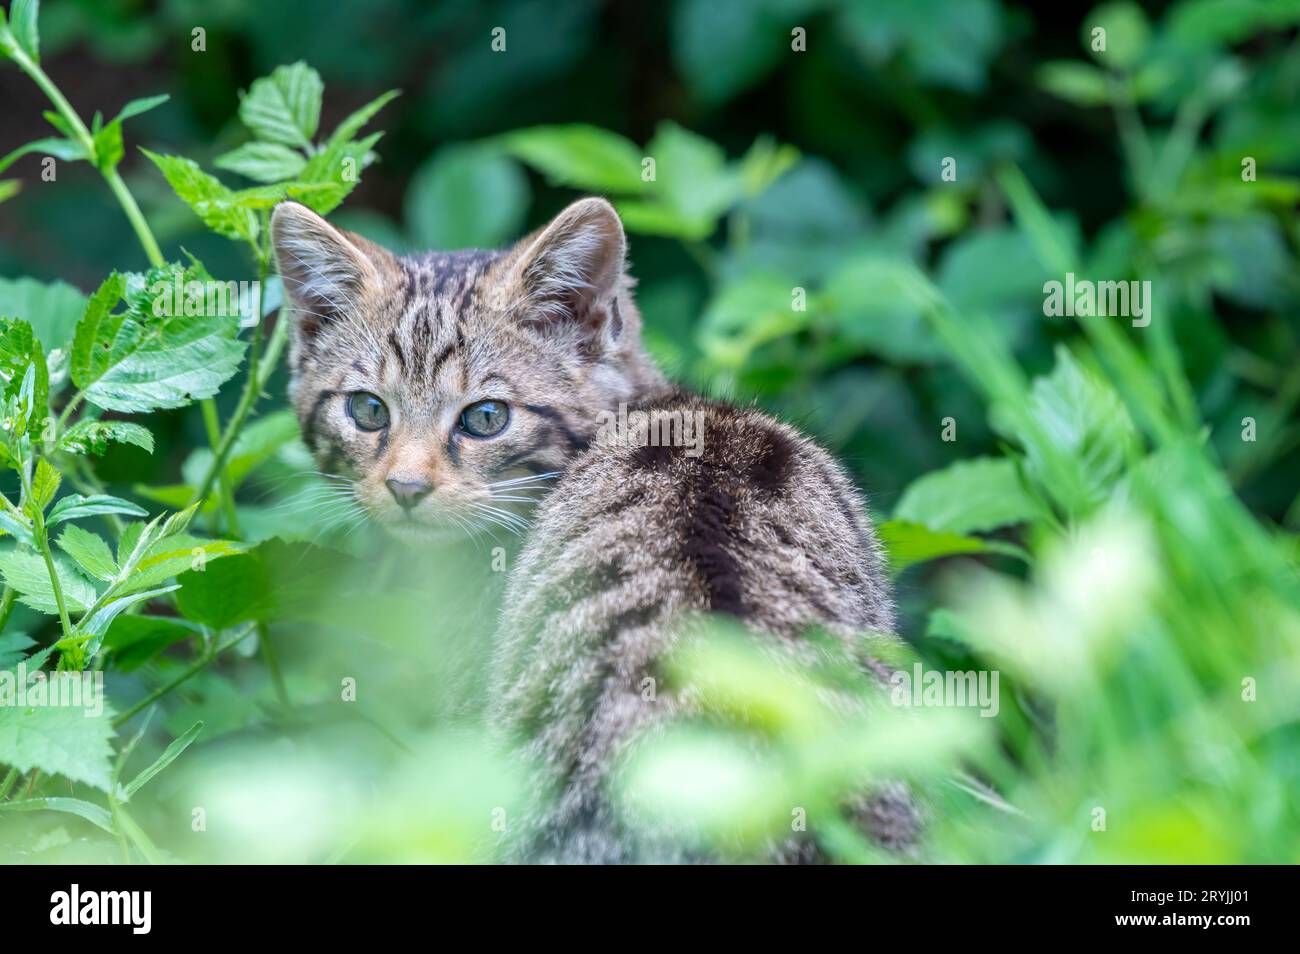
(325,270)
(571,271)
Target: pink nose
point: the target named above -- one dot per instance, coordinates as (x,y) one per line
(408,493)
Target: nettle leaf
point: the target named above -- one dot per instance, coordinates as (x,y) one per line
(45,484)
(156,353)
(218,206)
(13,648)
(28,575)
(974,495)
(285,106)
(24,374)
(262,161)
(333,173)
(90,551)
(93,437)
(175,554)
(72,741)
(75,507)
(16,525)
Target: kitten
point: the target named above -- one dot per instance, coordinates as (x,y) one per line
(450,387)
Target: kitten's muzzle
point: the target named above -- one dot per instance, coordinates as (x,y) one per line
(408,493)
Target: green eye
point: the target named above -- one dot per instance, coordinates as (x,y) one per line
(485,418)
(369,413)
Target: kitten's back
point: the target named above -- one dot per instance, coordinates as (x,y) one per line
(761,525)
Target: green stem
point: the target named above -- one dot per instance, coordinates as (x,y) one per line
(272,663)
(213,428)
(136,218)
(252,390)
(42,540)
(189,673)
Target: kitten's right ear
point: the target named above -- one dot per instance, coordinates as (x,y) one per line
(326,271)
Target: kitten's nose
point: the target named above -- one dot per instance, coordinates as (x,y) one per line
(408,493)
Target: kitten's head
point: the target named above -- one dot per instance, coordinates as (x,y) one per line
(441,385)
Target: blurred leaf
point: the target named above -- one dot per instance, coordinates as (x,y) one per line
(466,197)
(1074,81)
(169,755)
(908,543)
(579,156)
(59,740)
(1127,34)
(975,495)
(52,309)
(67,149)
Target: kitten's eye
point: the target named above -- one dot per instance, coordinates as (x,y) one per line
(485,418)
(369,413)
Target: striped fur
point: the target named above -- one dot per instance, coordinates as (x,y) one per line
(633,542)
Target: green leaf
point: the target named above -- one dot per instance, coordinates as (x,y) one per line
(151,355)
(257,443)
(357,120)
(90,551)
(908,543)
(285,106)
(170,754)
(134,640)
(1079,83)
(76,507)
(24,374)
(100,621)
(52,308)
(91,812)
(466,197)
(23,15)
(1127,34)
(262,161)
(67,149)
(71,741)
(109,150)
(580,156)
(16,525)
(45,484)
(27,574)
(175,554)
(973,495)
(332,174)
(93,437)
(218,206)
(13,649)
(142,105)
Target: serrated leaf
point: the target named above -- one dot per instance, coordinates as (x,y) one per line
(93,437)
(177,553)
(59,740)
(45,484)
(24,375)
(262,161)
(76,507)
(285,106)
(332,174)
(13,649)
(214,203)
(90,551)
(99,622)
(28,575)
(152,355)
(979,494)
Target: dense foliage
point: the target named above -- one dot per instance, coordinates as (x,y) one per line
(847,211)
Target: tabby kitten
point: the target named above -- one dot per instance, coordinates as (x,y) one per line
(442,384)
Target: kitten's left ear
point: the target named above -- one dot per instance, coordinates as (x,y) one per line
(571,272)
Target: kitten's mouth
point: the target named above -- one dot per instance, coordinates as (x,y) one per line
(408,528)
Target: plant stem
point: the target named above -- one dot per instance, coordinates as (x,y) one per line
(213,428)
(252,390)
(7,605)
(136,218)
(42,540)
(189,673)
(272,663)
